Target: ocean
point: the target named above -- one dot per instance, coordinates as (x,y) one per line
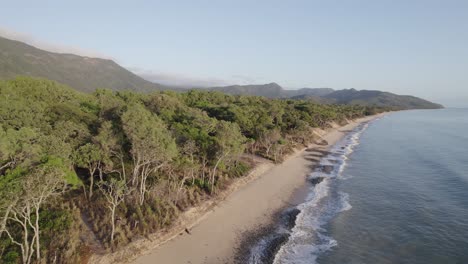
(394,190)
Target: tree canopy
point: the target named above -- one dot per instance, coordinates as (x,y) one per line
(123,164)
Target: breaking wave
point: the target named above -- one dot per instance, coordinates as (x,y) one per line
(300,236)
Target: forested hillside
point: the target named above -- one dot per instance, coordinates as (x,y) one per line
(82,73)
(124,164)
(379,98)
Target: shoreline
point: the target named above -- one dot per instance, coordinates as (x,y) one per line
(218,226)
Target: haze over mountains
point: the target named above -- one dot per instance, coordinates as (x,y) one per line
(87,74)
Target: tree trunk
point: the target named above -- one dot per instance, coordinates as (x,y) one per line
(91,187)
(214,172)
(84,191)
(28,248)
(100,171)
(25,250)
(136,169)
(6,165)
(268,150)
(91,183)
(123,168)
(38,243)
(113,223)
(144,175)
(180,187)
(203,170)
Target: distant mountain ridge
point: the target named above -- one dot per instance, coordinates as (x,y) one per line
(271,90)
(87,74)
(82,73)
(330,96)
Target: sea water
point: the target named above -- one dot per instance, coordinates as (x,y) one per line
(395,191)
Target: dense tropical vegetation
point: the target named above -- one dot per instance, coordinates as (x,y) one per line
(110,167)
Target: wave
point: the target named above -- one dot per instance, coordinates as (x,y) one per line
(308,238)
(300,236)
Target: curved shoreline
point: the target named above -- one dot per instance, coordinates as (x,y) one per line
(299,236)
(217,226)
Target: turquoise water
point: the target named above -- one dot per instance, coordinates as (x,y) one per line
(407,183)
(394,190)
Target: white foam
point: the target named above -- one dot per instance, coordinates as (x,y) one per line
(308,238)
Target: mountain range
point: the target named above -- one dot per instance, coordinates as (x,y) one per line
(87,74)
(82,73)
(331,96)
(271,90)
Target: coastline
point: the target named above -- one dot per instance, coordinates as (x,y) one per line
(218,226)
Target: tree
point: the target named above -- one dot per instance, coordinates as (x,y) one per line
(28,191)
(229,142)
(114,191)
(110,145)
(151,145)
(268,139)
(17,147)
(89,156)
(70,132)
(185,167)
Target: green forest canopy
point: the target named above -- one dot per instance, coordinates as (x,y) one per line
(123,164)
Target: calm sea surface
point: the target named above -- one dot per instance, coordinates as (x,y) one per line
(408,188)
(398,193)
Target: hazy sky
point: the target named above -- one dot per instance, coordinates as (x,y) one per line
(406,47)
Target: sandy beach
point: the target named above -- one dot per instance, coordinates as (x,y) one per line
(216,237)
(212,232)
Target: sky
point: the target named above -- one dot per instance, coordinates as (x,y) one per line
(406,47)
